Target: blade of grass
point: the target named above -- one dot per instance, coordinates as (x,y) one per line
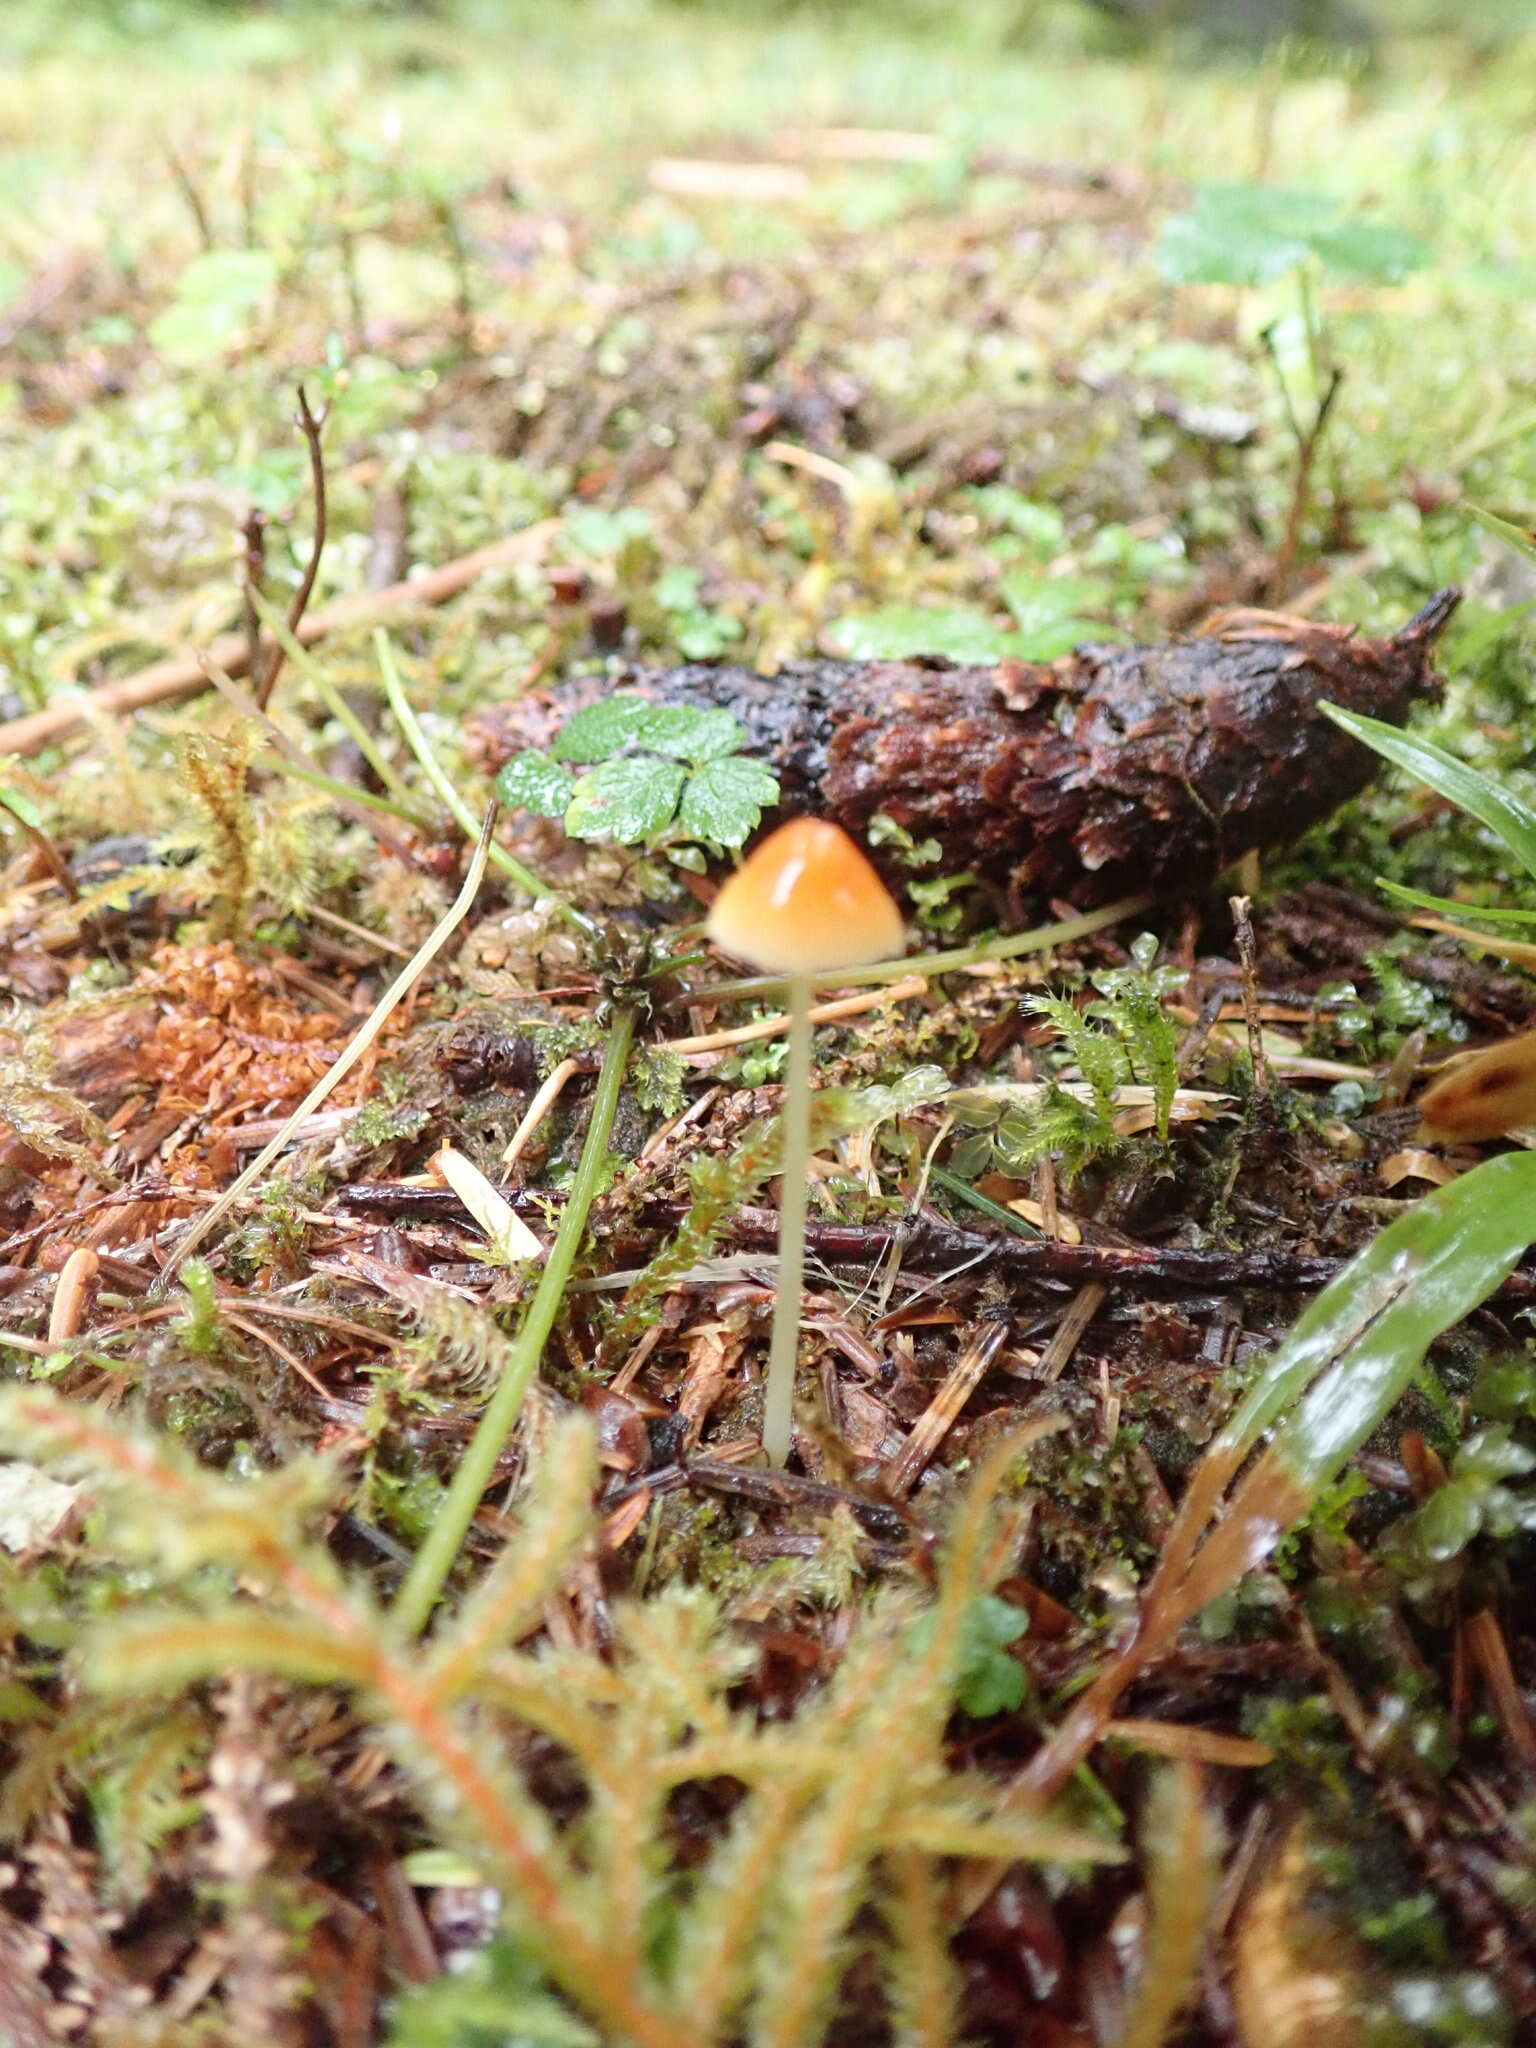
(1334,1379)
(1447,906)
(347,792)
(306,665)
(435,1559)
(1040,939)
(432,768)
(1499,809)
(1506,529)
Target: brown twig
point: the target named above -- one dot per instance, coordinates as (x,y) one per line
(1308,440)
(181,177)
(311,425)
(253,532)
(43,845)
(183,675)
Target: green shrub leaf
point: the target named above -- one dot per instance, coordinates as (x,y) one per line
(902,631)
(627,800)
(532,782)
(724,800)
(598,731)
(688,732)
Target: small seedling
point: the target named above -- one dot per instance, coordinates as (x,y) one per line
(638,773)
(807,899)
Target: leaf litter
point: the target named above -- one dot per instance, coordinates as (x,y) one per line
(919,1738)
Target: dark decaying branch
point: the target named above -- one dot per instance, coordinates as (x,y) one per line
(1113,770)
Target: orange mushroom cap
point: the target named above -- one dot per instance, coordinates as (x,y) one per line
(806,899)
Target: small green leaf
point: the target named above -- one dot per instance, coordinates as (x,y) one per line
(1252,234)
(1242,234)
(1488,801)
(1048,611)
(216,294)
(628,800)
(598,731)
(1372,250)
(532,782)
(899,632)
(687,732)
(989,1681)
(724,800)
(596,531)
(677,589)
(1449,1520)
(704,636)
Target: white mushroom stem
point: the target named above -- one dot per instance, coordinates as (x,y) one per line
(795,1132)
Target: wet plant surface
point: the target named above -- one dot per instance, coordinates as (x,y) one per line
(404,1640)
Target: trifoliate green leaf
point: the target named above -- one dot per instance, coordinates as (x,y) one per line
(724,800)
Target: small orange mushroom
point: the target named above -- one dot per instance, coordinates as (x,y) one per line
(805,900)
(1485,1096)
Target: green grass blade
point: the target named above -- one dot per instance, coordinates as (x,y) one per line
(1506,529)
(1354,1351)
(1447,906)
(1483,798)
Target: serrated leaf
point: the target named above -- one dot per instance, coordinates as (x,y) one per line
(989,1681)
(685,732)
(535,783)
(628,801)
(900,631)
(598,731)
(1486,800)
(724,800)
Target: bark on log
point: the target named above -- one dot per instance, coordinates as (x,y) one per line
(1115,769)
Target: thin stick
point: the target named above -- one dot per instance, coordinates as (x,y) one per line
(254,534)
(377,1018)
(954,960)
(783,1348)
(549,1093)
(824,1013)
(435,1559)
(311,424)
(182,676)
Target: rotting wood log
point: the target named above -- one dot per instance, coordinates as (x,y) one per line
(1114,769)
